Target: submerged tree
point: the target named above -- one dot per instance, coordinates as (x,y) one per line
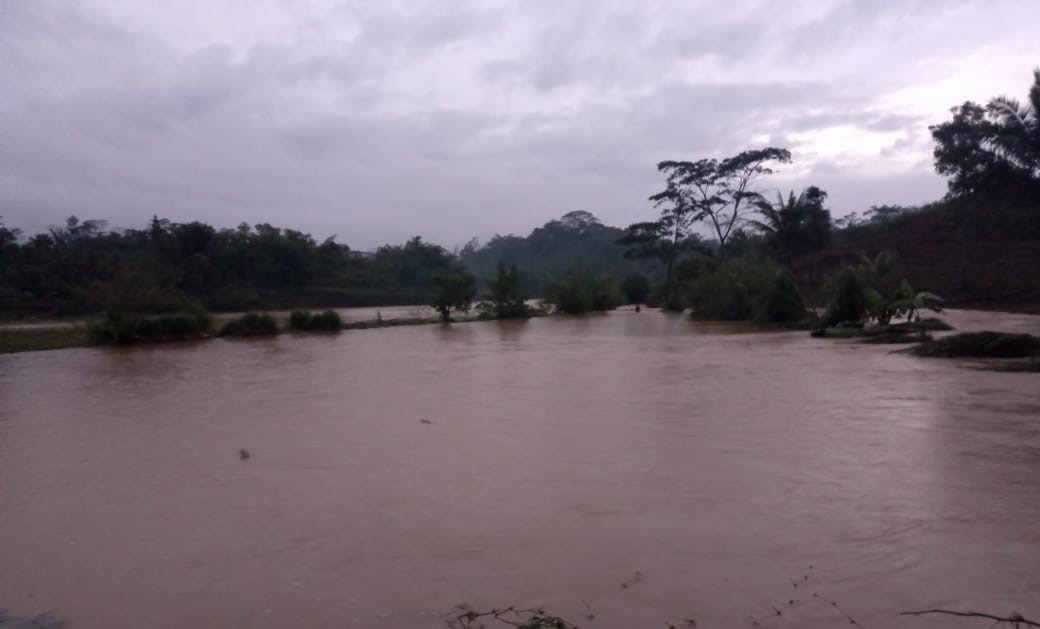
(506,295)
(453,292)
(581,291)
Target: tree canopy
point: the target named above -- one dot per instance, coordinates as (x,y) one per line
(718,192)
(989,149)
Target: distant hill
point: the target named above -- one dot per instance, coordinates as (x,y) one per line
(550,251)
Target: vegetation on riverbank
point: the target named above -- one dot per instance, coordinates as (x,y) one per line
(27,339)
(250,324)
(122,328)
(307,321)
(581,292)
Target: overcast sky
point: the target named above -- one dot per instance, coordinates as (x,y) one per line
(381,120)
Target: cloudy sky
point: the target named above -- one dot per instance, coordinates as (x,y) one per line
(381,120)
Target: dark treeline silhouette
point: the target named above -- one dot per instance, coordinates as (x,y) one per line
(83,268)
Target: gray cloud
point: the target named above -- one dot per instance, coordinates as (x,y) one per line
(378,122)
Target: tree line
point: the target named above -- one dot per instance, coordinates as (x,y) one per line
(82,268)
(710,213)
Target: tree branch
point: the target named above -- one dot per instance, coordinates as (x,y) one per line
(1015,618)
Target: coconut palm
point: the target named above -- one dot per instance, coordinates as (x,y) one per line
(795,225)
(1015,135)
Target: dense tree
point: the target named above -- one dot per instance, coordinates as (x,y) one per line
(988,149)
(795,225)
(80,267)
(636,288)
(453,292)
(581,291)
(506,296)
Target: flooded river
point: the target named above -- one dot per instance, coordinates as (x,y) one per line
(651,467)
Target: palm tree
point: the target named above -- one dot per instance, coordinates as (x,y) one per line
(795,225)
(1015,136)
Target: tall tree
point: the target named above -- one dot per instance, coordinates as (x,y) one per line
(986,149)
(718,192)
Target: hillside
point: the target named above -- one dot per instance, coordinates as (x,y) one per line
(977,253)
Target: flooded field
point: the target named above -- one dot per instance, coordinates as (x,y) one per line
(652,467)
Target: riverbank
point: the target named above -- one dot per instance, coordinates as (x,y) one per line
(32,339)
(38,336)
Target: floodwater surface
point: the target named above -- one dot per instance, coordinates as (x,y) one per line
(650,467)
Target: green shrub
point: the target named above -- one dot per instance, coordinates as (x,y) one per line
(124,328)
(874,291)
(846,297)
(581,292)
(781,303)
(306,321)
(326,321)
(251,324)
(300,319)
(745,289)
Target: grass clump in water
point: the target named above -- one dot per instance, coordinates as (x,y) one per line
(306,321)
(251,324)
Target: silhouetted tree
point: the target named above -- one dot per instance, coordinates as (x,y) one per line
(796,225)
(985,149)
(718,192)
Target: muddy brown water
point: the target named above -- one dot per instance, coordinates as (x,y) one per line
(564,456)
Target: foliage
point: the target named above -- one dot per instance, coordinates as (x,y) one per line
(846,297)
(874,290)
(82,268)
(795,226)
(987,149)
(306,321)
(453,292)
(120,327)
(250,324)
(718,192)
(665,239)
(636,288)
(745,289)
(582,292)
(507,298)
